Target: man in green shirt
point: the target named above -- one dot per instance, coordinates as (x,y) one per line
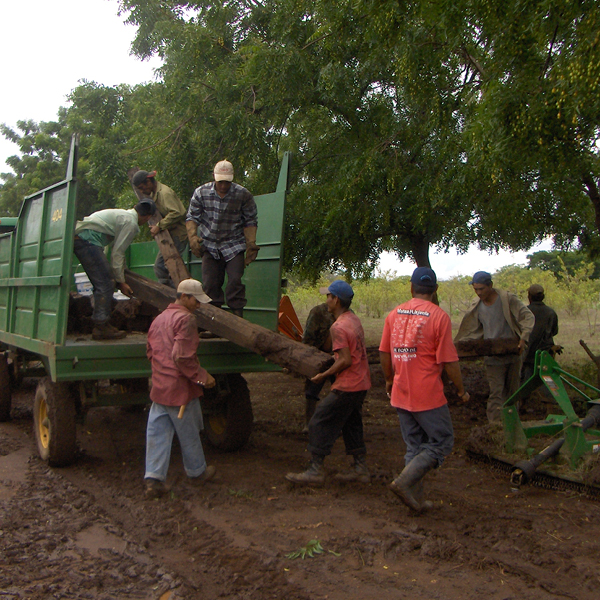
(117,228)
(173,218)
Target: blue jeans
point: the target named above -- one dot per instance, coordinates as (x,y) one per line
(96,265)
(160,269)
(162,425)
(428,430)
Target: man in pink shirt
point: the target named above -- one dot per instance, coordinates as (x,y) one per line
(340,412)
(415,348)
(177,384)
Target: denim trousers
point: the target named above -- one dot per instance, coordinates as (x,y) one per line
(162,425)
(428,431)
(213,277)
(338,413)
(160,269)
(96,265)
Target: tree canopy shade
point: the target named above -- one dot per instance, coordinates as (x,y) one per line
(413,124)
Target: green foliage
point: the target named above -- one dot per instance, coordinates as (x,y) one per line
(311,549)
(556,262)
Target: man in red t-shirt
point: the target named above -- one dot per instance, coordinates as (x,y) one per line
(416,346)
(340,412)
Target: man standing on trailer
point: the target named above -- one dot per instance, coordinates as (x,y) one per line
(225,215)
(117,228)
(178,381)
(173,218)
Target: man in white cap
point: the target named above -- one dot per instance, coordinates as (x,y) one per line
(221,225)
(178,381)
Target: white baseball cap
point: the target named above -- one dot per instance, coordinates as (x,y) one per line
(223,171)
(192,287)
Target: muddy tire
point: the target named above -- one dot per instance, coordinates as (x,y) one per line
(54,423)
(227,412)
(5,389)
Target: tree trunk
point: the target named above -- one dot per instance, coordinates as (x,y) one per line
(277,348)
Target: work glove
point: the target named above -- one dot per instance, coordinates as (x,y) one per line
(251,247)
(555,350)
(195,242)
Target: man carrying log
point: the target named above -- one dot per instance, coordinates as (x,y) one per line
(117,228)
(340,412)
(225,215)
(173,218)
(177,385)
(497,314)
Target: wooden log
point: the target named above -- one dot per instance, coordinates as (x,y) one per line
(279,349)
(173,261)
(468,349)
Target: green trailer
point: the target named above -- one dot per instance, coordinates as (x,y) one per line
(37,268)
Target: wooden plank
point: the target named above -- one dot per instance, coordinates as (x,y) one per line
(279,349)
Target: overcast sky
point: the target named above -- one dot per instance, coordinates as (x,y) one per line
(48,46)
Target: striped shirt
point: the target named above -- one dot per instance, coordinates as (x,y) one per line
(221,221)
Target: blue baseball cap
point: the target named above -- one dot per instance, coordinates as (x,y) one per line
(340,289)
(481,277)
(425,277)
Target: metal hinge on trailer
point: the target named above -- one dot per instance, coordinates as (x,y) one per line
(541,479)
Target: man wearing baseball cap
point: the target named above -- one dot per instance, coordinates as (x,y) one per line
(178,382)
(221,226)
(544,330)
(416,346)
(117,228)
(497,314)
(340,412)
(173,218)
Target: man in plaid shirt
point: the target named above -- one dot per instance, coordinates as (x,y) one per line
(221,225)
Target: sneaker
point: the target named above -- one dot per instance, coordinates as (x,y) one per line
(104,331)
(154,488)
(208,474)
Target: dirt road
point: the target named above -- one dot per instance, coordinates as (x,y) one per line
(87,532)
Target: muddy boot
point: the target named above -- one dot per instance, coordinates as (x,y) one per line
(154,488)
(314,475)
(418,491)
(104,331)
(359,471)
(405,486)
(208,474)
(238,312)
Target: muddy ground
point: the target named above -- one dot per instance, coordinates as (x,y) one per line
(86,531)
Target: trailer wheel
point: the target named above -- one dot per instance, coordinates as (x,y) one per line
(5,392)
(54,422)
(227,413)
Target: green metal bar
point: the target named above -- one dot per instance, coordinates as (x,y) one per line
(45,280)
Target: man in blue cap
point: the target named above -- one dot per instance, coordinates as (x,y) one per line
(497,314)
(416,346)
(340,412)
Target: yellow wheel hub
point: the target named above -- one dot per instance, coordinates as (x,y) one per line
(43,424)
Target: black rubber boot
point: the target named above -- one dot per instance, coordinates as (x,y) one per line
(359,471)
(238,312)
(406,487)
(314,475)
